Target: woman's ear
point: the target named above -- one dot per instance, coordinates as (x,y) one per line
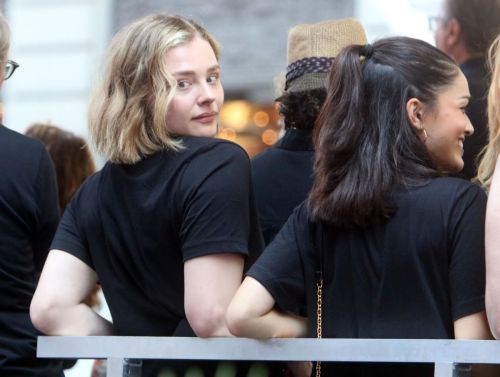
(415,110)
(453,33)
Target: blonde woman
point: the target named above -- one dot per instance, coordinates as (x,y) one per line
(166,225)
(489,177)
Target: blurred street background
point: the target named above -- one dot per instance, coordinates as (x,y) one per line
(59,44)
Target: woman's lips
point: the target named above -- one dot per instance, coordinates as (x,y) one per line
(205,117)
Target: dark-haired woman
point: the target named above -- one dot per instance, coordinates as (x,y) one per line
(400,245)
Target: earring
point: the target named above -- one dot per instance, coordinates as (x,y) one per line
(425,134)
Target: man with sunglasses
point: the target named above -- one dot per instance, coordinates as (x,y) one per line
(464,29)
(28,219)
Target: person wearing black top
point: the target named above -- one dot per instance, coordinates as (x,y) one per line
(167,224)
(28,219)
(283,175)
(401,244)
(465,29)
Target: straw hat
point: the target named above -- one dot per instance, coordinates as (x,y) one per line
(312,47)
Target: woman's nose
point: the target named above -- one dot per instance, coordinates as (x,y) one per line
(207,94)
(469,129)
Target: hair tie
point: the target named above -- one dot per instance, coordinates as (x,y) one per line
(367,51)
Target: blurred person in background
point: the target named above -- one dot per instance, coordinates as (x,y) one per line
(283,175)
(465,29)
(166,225)
(28,219)
(489,177)
(386,246)
(71,156)
(73,163)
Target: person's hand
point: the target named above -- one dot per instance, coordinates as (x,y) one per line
(299,368)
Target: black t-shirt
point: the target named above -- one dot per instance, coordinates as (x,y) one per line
(408,278)
(29,215)
(282,177)
(136,225)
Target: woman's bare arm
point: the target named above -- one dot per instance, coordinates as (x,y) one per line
(252,314)
(57,306)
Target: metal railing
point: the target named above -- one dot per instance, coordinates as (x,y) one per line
(451,357)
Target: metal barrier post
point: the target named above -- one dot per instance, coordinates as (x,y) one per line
(133,368)
(114,367)
(443,370)
(462,370)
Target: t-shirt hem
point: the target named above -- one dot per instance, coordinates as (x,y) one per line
(470,307)
(72,249)
(265,278)
(216,247)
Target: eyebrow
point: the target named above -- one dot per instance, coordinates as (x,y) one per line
(213,68)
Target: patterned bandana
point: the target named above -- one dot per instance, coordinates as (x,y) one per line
(307,65)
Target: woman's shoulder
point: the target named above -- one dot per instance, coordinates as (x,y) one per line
(204,160)
(453,184)
(444,185)
(210,149)
(199,142)
(88,190)
(445,190)
(21,145)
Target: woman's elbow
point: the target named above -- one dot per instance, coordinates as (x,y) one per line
(495,329)
(237,320)
(207,322)
(204,327)
(493,315)
(43,316)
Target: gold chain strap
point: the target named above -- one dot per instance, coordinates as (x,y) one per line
(319,320)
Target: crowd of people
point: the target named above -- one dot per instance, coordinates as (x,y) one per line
(375,216)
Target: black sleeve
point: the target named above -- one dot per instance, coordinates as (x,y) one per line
(47,209)
(69,237)
(215,202)
(467,264)
(280,268)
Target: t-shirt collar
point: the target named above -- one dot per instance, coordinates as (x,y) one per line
(296,139)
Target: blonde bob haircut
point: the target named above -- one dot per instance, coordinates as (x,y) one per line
(4,40)
(492,150)
(128,107)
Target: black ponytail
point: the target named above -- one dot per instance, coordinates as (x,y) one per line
(365,144)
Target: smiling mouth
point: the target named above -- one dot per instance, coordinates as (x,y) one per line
(205,117)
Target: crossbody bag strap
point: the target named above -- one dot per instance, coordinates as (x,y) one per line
(316,239)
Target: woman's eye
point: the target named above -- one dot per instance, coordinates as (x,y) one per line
(213,78)
(182,84)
